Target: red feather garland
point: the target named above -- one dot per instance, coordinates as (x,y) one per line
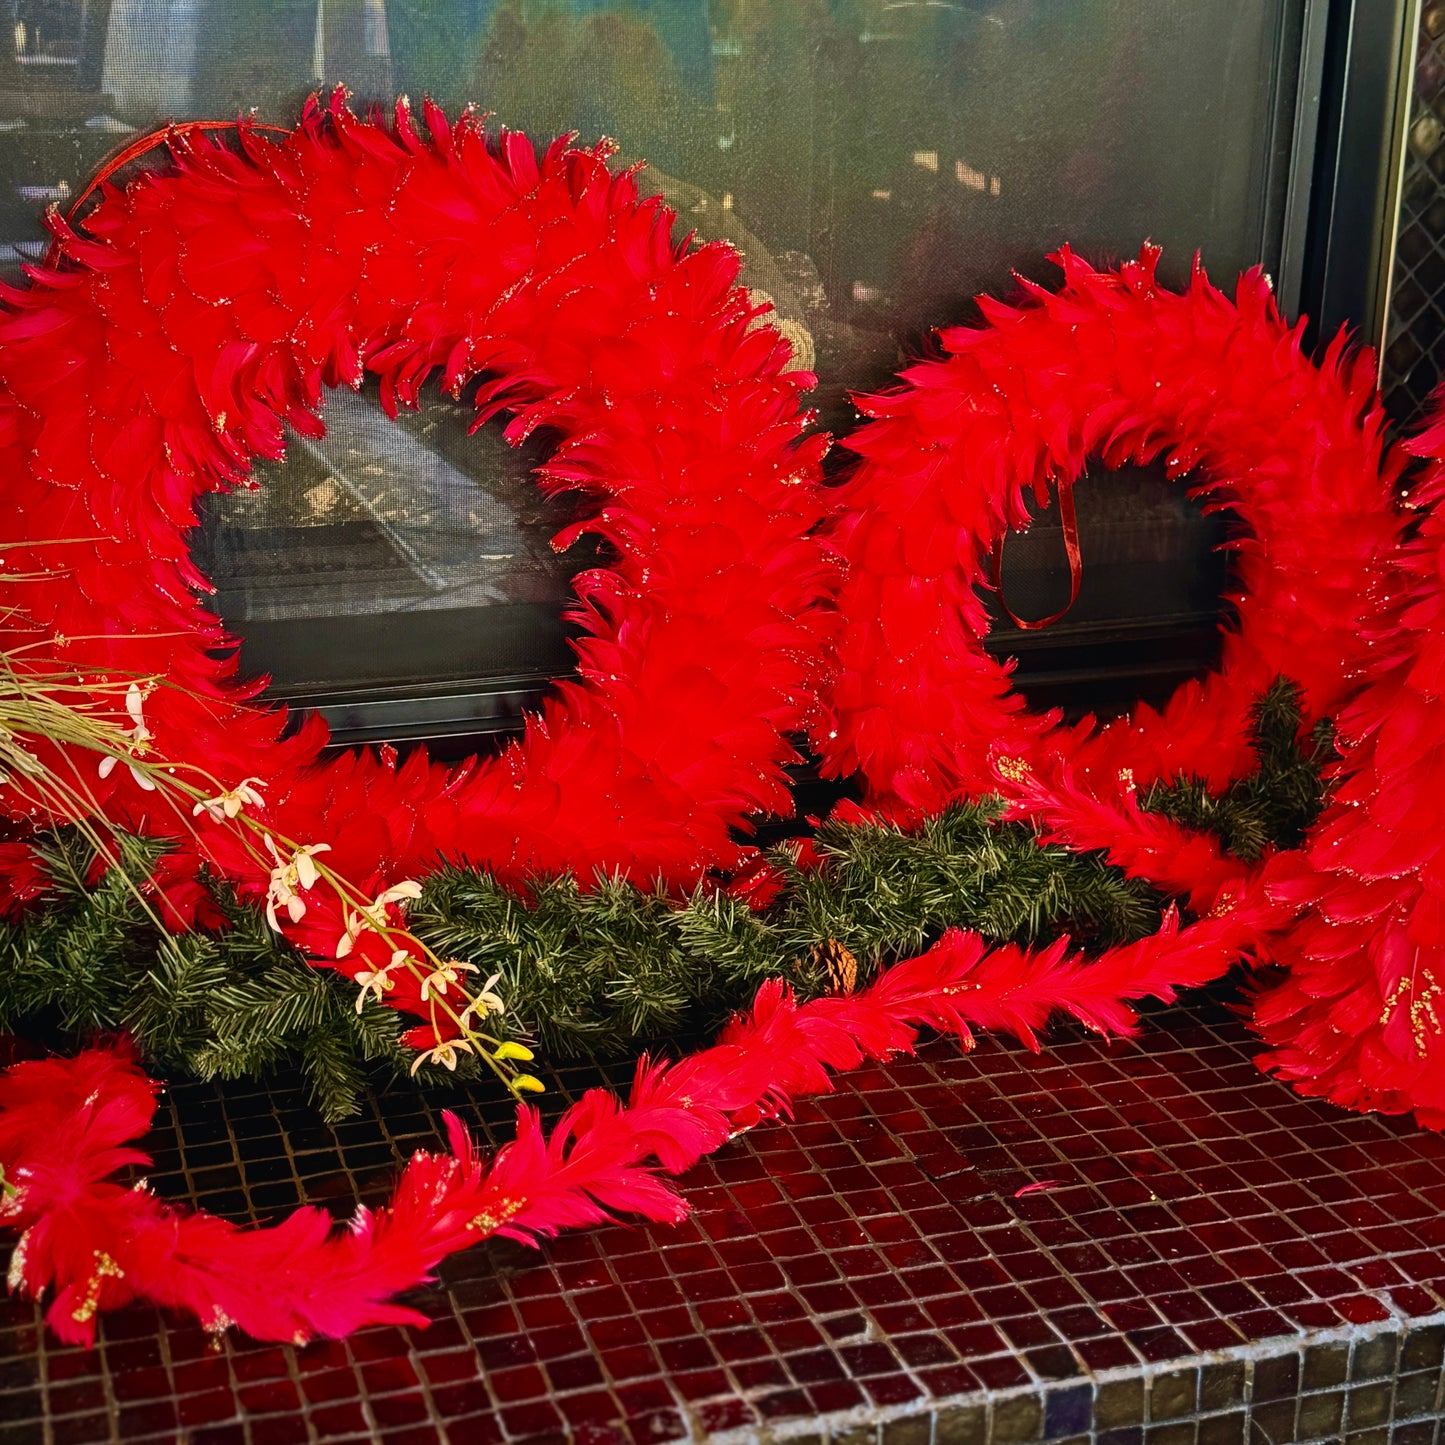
(65,1127)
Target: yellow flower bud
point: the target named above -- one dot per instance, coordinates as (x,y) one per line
(526,1084)
(510,1050)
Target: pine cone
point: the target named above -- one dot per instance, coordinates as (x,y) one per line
(839,965)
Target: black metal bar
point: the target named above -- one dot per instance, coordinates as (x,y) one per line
(1363,108)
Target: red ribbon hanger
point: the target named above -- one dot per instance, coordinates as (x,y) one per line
(1070,521)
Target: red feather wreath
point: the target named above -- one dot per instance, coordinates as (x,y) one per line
(1116,367)
(202,308)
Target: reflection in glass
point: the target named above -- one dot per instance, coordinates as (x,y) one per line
(878,162)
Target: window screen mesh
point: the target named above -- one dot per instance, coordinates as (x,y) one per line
(1410,367)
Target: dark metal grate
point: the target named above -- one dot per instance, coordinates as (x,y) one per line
(1412,361)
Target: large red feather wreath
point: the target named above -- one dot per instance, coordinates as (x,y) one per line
(156,353)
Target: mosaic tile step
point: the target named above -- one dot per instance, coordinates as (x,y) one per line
(1139,1243)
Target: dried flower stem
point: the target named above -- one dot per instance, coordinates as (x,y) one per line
(69,710)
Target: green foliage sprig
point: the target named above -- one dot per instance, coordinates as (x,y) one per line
(217,1005)
(1275,804)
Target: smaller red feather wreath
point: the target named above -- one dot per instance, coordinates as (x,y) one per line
(156,353)
(1114,367)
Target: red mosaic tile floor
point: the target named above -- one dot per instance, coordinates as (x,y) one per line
(1139,1242)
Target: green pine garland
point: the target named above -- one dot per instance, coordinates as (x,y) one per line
(612,968)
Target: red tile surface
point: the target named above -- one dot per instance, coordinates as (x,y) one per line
(874,1258)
